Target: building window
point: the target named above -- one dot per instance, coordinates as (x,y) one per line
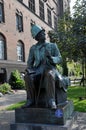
(41,10)
(20,0)
(31,5)
(55,23)
(1,11)
(2,48)
(20,51)
(49,17)
(19,21)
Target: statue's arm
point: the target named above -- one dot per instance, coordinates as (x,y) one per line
(56,58)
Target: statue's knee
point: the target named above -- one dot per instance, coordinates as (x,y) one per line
(26,77)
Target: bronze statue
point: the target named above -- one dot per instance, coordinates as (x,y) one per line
(43,81)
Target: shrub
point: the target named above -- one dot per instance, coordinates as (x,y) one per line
(16,81)
(5,88)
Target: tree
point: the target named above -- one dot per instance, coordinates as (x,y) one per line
(79,30)
(79,26)
(63,37)
(16,81)
(71,34)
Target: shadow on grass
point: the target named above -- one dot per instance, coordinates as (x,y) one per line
(74,94)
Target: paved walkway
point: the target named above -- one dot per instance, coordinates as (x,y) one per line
(80,123)
(17,96)
(8,117)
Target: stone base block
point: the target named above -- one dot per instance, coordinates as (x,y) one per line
(44,118)
(44,115)
(32,126)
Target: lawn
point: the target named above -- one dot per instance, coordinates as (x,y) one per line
(74,93)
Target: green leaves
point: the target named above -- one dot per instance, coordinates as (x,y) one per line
(79,25)
(16,81)
(64,36)
(71,33)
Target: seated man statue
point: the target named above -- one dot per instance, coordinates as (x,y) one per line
(42,72)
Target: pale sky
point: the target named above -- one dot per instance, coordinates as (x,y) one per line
(72,4)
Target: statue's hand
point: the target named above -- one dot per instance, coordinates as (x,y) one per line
(48,54)
(49,57)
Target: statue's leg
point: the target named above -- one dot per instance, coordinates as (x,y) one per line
(61,95)
(30,90)
(50,89)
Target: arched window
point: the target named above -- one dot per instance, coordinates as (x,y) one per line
(20,51)
(2,47)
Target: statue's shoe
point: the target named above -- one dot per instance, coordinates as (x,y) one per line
(28,104)
(52,104)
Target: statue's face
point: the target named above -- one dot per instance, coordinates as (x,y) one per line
(41,36)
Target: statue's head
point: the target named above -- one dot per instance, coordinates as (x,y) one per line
(38,33)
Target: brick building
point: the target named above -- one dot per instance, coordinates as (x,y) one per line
(16,17)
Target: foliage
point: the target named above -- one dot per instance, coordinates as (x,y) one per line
(79,30)
(74,68)
(79,25)
(16,81)
(5,88)
(71,34)
(64,39)
(74,93)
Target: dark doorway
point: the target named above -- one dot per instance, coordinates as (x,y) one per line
(3,75)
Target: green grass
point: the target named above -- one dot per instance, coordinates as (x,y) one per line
(17,105)
(73,94)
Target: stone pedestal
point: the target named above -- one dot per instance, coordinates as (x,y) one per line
(44,118)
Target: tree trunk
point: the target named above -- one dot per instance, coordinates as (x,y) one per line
(65,68)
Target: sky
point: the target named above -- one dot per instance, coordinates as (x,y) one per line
(71,5)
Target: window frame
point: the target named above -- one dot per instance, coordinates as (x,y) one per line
(55,23)
(21,1)
(49,16)
(3,50)
(2,18)
(20,51)
(19,21)
(41,10)
(31,5)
